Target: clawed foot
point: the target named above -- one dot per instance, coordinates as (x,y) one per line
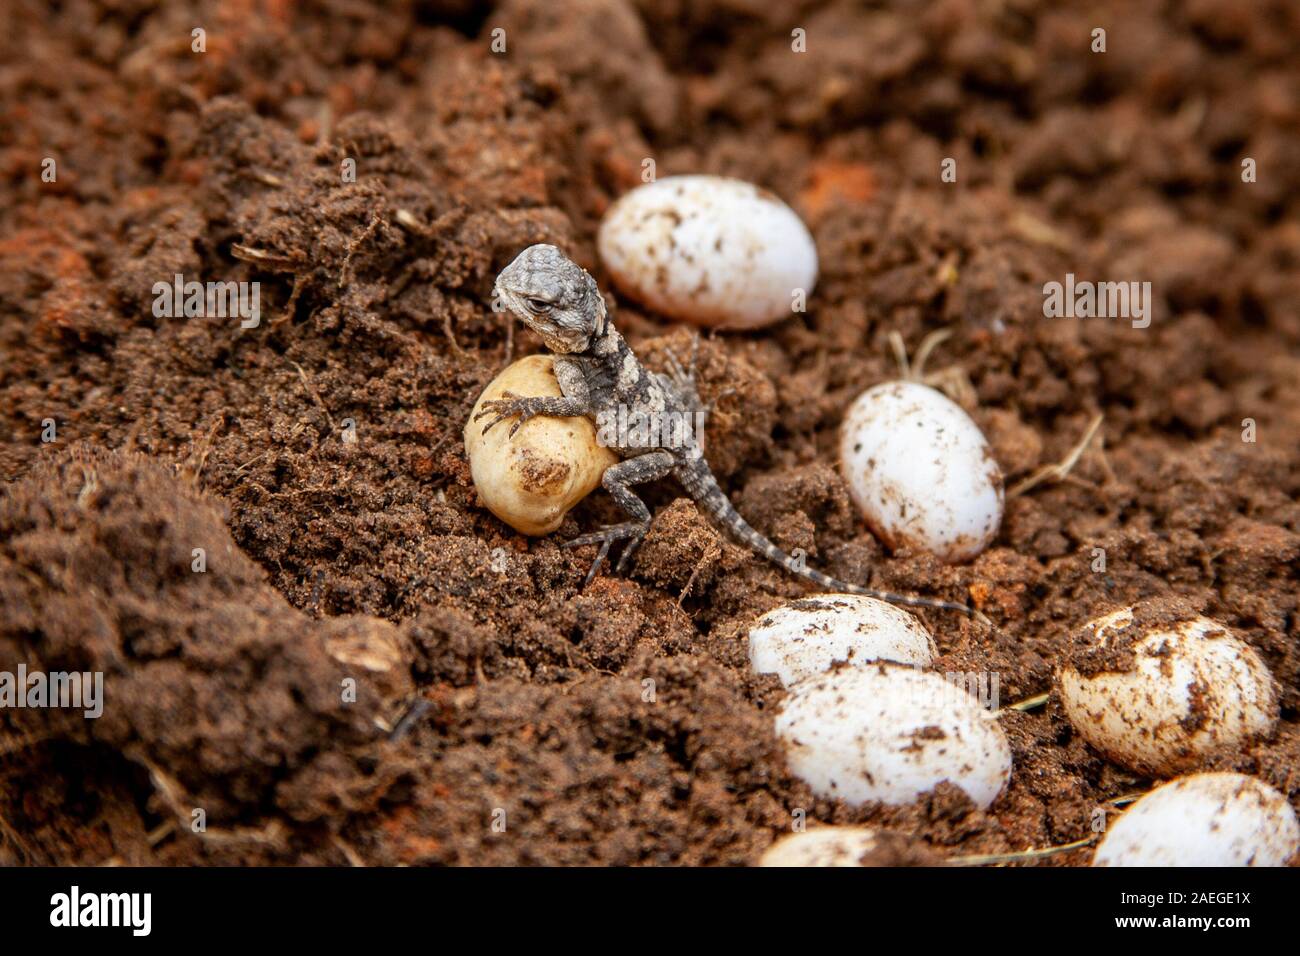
(632,531)
(508,407)
(683,378)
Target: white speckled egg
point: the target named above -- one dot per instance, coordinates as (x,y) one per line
(920,471)
(824,846)
(1207,819)
(709,250)
(1160,696)
(890,733)
(804,638)
(849,846)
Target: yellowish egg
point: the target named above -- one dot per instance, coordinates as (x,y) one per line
(531,480)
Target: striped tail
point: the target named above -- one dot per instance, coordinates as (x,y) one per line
(703,487)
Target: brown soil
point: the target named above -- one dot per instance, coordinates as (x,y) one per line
(618,724)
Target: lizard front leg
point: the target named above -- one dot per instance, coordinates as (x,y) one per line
(557,406)
(574,399)
(617,481)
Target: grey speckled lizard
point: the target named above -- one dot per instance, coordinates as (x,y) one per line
(599,376)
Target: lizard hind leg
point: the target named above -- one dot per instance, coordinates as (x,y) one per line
(682,378)
(680,382)
(618,480)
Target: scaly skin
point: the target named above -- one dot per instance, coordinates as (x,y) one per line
(598,374)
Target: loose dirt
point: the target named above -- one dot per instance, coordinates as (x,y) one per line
(619,724)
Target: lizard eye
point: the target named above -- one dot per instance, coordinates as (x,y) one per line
(539,306)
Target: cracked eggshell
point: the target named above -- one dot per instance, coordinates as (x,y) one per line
(920,471)
(1207,819)
(710,250)
(806,637)
(1161,697)
(890,733)
(531,481)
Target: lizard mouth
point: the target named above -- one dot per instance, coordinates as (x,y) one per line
(563,342)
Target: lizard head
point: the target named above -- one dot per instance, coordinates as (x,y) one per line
(554,297)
